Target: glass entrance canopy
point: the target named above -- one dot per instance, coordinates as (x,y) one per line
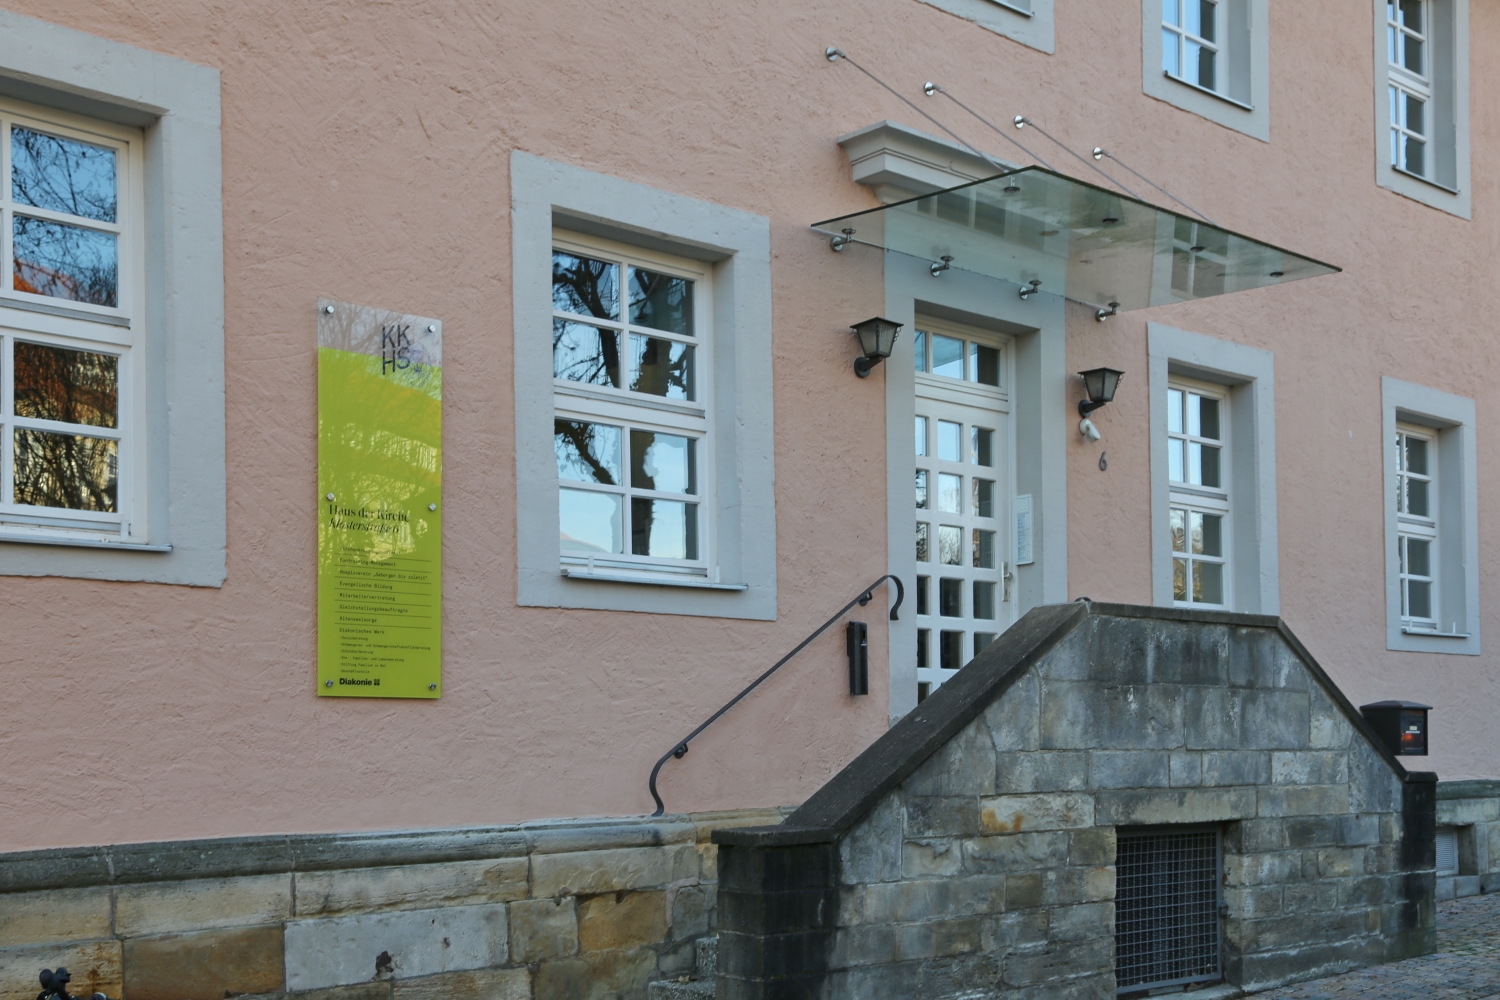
(1082,241)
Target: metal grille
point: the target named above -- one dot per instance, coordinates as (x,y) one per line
(1166,908)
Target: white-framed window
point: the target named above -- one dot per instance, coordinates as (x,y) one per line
(1190,41)
(1431,525)
(1210,57)
(1410,66)
(631,426)
(1213,473)
(152,337)
(628,370)
(1421,100)
(72,446)
(1416,514)
(1198,473)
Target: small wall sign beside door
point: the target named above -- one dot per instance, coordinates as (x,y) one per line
(1022,509)
(380,485)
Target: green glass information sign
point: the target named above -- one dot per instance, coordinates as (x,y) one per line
(380,503)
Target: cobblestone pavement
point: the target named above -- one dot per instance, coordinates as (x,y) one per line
(1466,966)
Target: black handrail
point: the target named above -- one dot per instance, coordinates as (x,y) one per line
(681,748)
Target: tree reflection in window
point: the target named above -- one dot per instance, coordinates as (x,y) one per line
(66,470)
(74,471)
(52,257)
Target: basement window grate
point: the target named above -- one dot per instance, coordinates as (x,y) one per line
(1166,908)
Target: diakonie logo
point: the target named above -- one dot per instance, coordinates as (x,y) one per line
(366,681)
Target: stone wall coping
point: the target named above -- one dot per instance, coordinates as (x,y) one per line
(1477,788)
(229,857)
(834,809)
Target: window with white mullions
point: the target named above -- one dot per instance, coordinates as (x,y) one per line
(1410,89)
(1190,41)
(68,304)
(631,422)
(1417,527)
(1197,422)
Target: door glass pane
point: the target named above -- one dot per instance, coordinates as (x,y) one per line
(75,387)
(919,350)
(663,462)
(983,447)
(952,655)
(921,489)
(951,598)
(585,286)
(923,608)
(63,175)
(1178,519)
(947,356)
(950,441)
(950,493)
(950,545)
(586,452)
(924,639)
(984,364)
(590,521)
(984,599)
(984,549)
(981,640)
(661,301)
(65,262)
(1208,583)
(582,353)
(922,436)
(66,470)
(661,367)
(667,529)
(984,497)
(923,552)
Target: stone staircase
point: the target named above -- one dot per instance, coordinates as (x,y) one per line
(701,985)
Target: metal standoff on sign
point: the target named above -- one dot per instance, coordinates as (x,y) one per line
(380,466)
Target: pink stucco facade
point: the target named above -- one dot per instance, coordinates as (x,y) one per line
(366,153)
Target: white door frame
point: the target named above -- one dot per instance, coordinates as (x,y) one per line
(1039,418)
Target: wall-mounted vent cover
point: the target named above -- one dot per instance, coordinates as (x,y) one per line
(1166,908)
(1447,850)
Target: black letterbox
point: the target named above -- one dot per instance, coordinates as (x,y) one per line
(1401,726)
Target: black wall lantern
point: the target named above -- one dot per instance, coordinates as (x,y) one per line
(1100,384)
(1401,725)
(877,338)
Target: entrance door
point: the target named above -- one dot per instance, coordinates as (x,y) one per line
(963,491)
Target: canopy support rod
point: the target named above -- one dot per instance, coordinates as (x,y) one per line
(1100,151)
(834,54)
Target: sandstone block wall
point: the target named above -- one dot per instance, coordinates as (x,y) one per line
(971,851)
(593,909)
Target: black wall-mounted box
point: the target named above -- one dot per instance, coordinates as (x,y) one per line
(1401,725)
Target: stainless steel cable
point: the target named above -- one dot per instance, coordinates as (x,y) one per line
(931,88)
(1101,151)
(833,54)
(1021,120)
